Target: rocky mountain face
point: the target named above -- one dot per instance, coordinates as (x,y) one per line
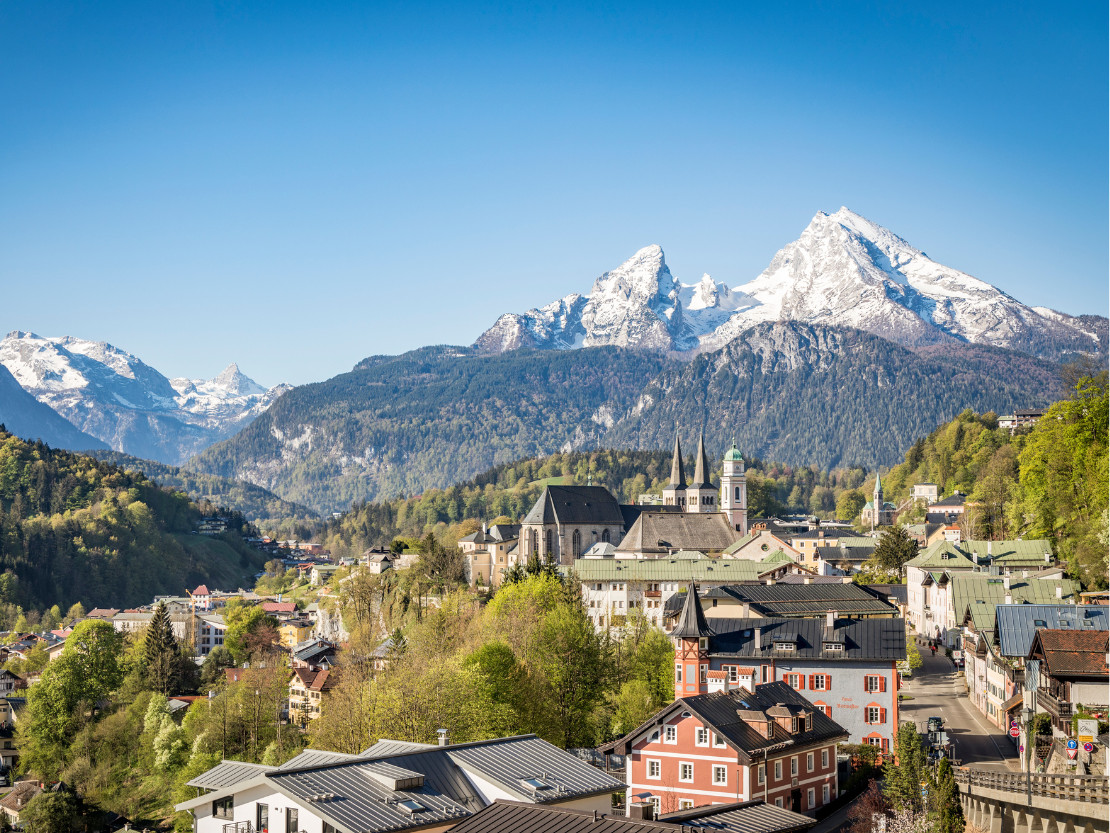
(843,270)
(803,394)
(26,417)
(113,396)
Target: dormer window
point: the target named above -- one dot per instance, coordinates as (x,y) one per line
(703,642)
(793,725)
(785,646)
(833,647)
(770,728)
(809,722)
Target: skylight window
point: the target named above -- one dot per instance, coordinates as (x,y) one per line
(411,806)
(535,784)
(1039,623)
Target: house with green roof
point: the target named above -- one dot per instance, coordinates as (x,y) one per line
(928,607)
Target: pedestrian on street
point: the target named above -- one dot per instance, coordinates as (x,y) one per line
(933,648)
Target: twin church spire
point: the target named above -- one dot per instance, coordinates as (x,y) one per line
(701,496)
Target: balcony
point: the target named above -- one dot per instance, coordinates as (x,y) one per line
(653,594)
(1057,708)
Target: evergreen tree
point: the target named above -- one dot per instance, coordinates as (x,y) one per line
(904,773)
(945,812)
(161,652)
(895,548)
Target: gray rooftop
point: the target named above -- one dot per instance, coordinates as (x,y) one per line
(1018,624)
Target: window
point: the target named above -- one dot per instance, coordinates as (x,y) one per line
(653,769)
(262,817)
(733,673)
(720,775)
(793,680)
(873,684)
(292,820)
(701,736)
(817,682)
(874,741)
(770,728)
(793,766)
(834,647)
(787,647)
(778,770)
(809,721)
(809,762)
(761,774)
(224,808)
(875,714)
(685,804)
(778,802)
(329,829)
(824,793)
(811,800)
(685,771)
(718,740)
(670,734)
(678,672)
(824,759)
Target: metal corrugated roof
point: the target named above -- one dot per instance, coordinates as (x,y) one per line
(316,757)
(386,747)
(717,570)
(864,639)
(227,773)
(1016,625)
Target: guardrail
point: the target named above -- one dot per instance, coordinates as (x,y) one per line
(1091,789)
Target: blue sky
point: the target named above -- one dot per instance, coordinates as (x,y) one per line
(297,186)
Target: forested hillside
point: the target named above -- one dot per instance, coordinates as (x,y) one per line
(73,528)
(806,395)
(828,396)
(256,504)
(509,491)
(398,425)
(1050,482)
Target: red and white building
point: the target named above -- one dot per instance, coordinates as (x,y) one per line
(771,745)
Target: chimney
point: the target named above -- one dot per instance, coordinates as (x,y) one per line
(1048,558)
(1006,583)
(989,543)
(1008,599)
(757,639)
(642,810)
(807,580)
(443,739)
(830,619)
(1059,591)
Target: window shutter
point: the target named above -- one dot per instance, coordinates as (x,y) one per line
(882,683)
(886,745)
(813,681)
(882,715)
(802,682)
(865,679)
(866,716)
(828,683)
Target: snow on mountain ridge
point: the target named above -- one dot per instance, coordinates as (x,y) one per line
(114,396)
(843,269)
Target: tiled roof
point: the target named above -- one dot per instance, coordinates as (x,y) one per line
(864,639)
(724,713)
(716,570)
(810,599)
(21,793)
(1073,652)
(746,817)
(662,532)
(576,505)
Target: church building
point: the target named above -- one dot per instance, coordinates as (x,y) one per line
(701,496)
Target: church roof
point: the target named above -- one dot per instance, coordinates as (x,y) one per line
(691,622)
(678,473)
(576,505)
(733,455)
(701,469)
(664,532)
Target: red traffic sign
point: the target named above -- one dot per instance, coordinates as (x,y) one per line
(1088,747)
(1015,732)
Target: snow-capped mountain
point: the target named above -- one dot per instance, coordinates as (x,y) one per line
(114,396)
(842,270)
(26,417)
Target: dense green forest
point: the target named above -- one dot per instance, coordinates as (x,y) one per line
(807,395)
(1049,482)
(397,425)
(256,504)
(828,396)
(509,490)
(73,528)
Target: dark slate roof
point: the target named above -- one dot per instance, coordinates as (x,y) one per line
(954,499)
(505,532)
(576,505)
(721,712)
(795,578)
(864,639)
(747,817)
(1016,625)
(898,592)
(845,554)
(1073,653)
(809,599)
(691,623)
(663,532)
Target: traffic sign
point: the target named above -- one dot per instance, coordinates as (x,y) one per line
(1088,747)
(1072,754)
(1015,732)
(1073,743)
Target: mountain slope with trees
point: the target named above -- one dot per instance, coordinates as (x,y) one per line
(802,394)
(73,528)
